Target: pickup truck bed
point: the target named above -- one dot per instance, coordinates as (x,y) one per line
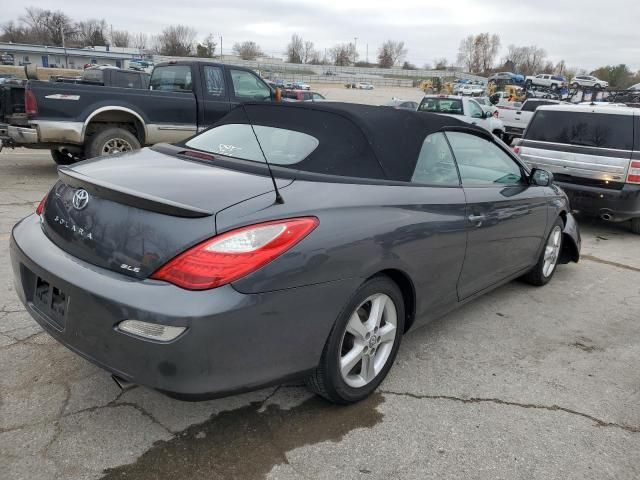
(515,120)
(79,121)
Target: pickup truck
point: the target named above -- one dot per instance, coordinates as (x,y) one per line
(554,82)
(77,121)
(516,120)
(462,108)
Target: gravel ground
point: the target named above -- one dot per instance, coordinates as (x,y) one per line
(524,383)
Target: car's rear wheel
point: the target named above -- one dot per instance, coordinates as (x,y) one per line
(597,86)
(575,85)
(548,261)
(111,141)
(635,225)
(363,343)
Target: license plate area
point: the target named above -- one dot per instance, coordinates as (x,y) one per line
(51,302)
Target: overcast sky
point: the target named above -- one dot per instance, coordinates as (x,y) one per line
(585,33)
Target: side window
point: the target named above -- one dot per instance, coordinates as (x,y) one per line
(474,110)
(247,86)
(481,162)
(126,80)
(435,165)
(214,81)
(172,78)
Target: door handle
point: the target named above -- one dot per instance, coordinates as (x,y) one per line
(477,219)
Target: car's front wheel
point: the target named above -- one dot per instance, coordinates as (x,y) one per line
(363,343)
(548,260)
(635,225)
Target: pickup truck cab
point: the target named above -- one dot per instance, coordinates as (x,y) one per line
(462,108)
(554,82)
(77,121)
(516,120)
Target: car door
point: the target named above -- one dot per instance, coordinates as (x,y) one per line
(478,116)
(506,216)
(214,96)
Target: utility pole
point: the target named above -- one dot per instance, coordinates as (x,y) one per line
(221,47)
(355,49)
(66,57)
(367,53)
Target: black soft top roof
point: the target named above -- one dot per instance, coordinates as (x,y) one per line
(355,140)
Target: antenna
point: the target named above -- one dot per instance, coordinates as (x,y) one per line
(279,198)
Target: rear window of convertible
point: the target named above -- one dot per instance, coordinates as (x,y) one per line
(280,146)
(298,138)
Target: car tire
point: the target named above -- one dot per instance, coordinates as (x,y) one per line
(62,158)
(542,272)
(110,141)
(575,84)
(554,86)
(328,379)
(597,86)
(635,225)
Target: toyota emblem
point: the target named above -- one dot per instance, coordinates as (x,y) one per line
(80,199)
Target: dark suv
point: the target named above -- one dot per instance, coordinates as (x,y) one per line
(594,154)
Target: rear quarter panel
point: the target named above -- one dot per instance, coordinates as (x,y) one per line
(364,229)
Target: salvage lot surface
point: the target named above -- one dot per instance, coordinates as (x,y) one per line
(523,383)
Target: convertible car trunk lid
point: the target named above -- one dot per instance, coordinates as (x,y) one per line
(132,213)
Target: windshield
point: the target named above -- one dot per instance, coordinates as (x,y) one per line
(280,146)
(451,106)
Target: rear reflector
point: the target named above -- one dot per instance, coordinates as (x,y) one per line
(634,172)
(516,150)
(152,331)
(234,254)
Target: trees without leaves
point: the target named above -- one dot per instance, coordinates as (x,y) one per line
(295,49)
(343,54)
(207,48)
(121,38)
(477,53)
(391,53)
(176,41)
(527,60)
(247,50)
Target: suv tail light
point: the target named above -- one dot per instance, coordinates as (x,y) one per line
(234,254)
(30,103)
(634,172)
(40,208)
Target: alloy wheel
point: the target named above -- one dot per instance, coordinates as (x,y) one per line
(368,340)
(116,145)
(552,251)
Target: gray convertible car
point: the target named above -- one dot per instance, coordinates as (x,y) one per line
(295,240)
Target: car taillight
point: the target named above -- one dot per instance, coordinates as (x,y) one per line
(234,254)
(30,103)
(634,172)
(40,208)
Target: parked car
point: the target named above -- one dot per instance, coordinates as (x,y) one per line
(364,86)
(357,234)
(588,81)
(402,104)
(469,89)
(300,86)
(594,154)
(79,121)
(7,59)
(553,82)
(463,108)
(501,77)
(635,87)
(516,121)
(301,96)
(7,77)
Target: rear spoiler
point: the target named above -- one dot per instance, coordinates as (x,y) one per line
(129,197)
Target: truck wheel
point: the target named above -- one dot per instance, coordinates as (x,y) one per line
(62,158)
(575,85)
(635,225)
(110,141)
(554,86)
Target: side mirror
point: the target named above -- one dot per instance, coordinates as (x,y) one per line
(540,177)
(488,114)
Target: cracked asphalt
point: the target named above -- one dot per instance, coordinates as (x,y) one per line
(525,383)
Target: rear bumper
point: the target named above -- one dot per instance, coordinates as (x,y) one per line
(23,135)
(233,341)
(516,131)
(612,205)
(44,131)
